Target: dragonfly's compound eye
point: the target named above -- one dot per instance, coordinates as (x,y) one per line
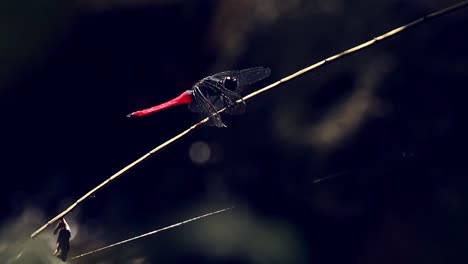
(230,83)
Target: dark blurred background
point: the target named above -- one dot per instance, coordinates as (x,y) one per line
(388,122)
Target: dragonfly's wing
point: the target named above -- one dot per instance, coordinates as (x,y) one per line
(221,97)
(202,105)
(195,106)
(245,77)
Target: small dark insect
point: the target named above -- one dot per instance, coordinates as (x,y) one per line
(63,240)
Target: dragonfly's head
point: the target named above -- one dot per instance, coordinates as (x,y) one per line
(230,83)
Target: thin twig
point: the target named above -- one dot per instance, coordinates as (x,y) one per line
(251,95)
(151,233)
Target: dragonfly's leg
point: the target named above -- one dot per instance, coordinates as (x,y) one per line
(228,101)
(233,107)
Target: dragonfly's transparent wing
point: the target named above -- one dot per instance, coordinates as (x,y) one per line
(195,106)
(202,105)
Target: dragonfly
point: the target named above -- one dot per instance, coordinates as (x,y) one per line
(213,93)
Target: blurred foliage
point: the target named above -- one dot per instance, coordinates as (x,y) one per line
(390,120)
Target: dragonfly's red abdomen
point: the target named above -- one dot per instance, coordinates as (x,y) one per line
(185,98)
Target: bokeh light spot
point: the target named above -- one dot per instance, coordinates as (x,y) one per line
(200,152)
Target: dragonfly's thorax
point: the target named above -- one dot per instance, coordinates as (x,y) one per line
(222,92)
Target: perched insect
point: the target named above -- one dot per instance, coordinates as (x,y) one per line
(213,93)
